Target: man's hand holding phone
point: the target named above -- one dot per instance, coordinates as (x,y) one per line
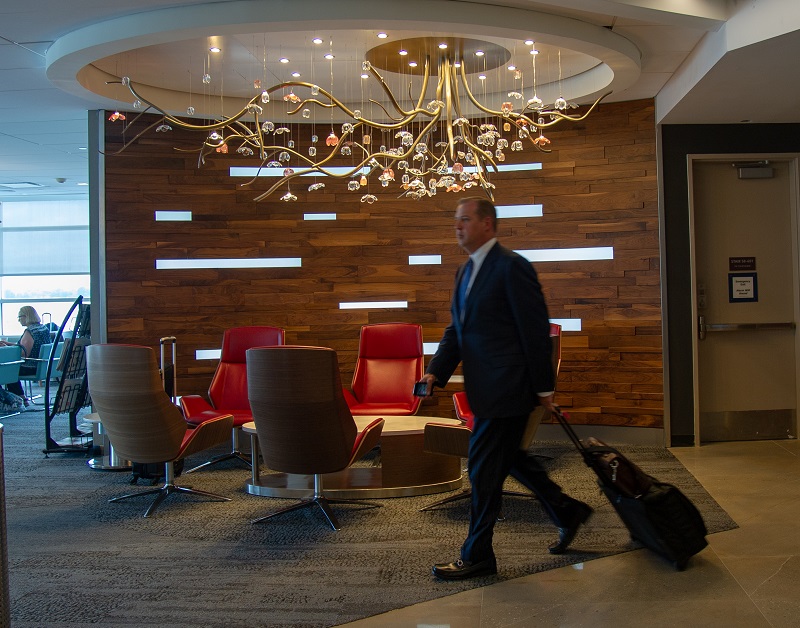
(424,387)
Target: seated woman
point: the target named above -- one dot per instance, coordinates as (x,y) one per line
(34,336)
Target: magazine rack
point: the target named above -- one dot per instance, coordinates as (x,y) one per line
(73,391)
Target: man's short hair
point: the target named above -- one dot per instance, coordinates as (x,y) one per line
(484,208)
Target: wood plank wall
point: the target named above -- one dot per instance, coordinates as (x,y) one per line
(598,188)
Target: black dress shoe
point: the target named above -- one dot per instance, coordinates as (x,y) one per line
(465,569)
(566,535)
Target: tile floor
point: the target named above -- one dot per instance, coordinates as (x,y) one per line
(747,577)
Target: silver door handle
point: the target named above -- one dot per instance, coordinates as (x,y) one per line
(704,328)
(747,326)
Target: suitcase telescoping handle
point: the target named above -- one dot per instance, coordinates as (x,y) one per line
(562,419)
(169,340)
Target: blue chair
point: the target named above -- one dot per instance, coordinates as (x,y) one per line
(10,361)
(41,369)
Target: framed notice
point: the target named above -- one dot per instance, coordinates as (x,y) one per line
(742,287)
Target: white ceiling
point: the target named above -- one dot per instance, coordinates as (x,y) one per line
(705,61)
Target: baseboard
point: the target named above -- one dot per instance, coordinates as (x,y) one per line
(610,434)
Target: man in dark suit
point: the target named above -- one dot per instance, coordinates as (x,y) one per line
(500,332)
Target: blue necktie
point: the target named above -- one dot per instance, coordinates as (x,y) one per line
(462,287)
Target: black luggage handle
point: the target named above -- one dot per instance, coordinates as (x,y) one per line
(584,451)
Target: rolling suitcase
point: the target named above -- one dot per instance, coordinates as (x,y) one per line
(658,515)
(154,471)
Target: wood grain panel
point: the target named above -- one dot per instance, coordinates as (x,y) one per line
(598,187)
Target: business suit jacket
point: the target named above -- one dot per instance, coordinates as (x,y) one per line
(503,341)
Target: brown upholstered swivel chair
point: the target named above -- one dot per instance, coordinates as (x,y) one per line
(453,440)
(227,392)
(303,423)
(140,419)
(390,360)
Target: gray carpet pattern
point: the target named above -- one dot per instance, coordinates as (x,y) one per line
(77,560)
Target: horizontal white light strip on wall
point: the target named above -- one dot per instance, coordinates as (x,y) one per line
(207,354)
(414,260)
(429,348)
(519,211)
(509,167)
(568,255)
(568,324)
(258,262)
(249,171)
(319,216)
(366,305)
(173,215)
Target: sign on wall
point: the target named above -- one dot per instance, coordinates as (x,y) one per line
(742,287)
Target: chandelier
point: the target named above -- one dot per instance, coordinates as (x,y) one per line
(443,141)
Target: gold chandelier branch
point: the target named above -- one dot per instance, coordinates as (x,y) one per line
(457,155)
(556,116)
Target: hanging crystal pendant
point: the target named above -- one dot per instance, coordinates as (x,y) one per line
(206,78)
(190,111)
(265,97)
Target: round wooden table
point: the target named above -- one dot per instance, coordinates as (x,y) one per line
(405,469)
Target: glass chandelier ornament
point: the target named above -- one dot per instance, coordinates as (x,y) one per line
(464,157)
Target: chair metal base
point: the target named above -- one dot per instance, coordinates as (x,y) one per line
(166,490)
(233,455)
(466,494)
(320,500)
(163,492)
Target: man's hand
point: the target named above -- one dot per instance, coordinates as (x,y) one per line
(547,401)
(429,380)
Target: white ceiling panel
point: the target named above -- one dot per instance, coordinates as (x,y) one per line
(41,125)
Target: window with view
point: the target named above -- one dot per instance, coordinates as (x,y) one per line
(44,259)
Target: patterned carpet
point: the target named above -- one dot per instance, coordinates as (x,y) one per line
(77,560)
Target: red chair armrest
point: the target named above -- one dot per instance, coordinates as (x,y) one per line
(208,434)
(193,405)
(366,440)
(350,398)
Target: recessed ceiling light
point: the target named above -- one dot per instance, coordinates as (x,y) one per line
(482,77)
(329,56)
(534,51)
(457,64)
(529,42)
(382,35)
(479,53)
(403,53)
(365,76)
(296,74)
(512,67)
(214,49)
(284,60)
(443,46)
(412,64)
(82,148)
(82,183)
(316,40)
